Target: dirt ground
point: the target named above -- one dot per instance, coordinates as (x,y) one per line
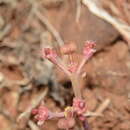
(24,76)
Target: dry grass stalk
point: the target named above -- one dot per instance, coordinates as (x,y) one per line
(121,26)
(101,108)
(35,102)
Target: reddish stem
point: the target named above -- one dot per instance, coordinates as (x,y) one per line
(86,125)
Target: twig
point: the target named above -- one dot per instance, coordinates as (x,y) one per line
(78,11)
(35,102)
(46,22)
(5,31)
(123,28)
(7,82)
(112,73)
(91,114)
(86,125)
(32,125)
(6,114)
(116,74)
(101,108)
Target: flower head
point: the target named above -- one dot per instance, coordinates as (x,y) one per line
(88,49)
(68,112)
(49,54)
(79,106)
(41,114)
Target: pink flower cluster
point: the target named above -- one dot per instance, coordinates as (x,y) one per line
(79,106)
(41,114)
(88,51)
(49,54)
(73,70)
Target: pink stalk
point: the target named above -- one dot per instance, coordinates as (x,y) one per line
(63,67)
(75,79)
(52,56)
(81,65)
(56,115)
(73,71)
(88,51)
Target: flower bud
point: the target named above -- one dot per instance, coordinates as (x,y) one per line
(88,49)
(68,48)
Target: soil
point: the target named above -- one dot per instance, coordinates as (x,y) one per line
(24,75)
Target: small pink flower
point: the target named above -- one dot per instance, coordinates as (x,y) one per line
(49,54)
(89,50)
(79,106)
(34,111)
(69,113)
(41,114)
